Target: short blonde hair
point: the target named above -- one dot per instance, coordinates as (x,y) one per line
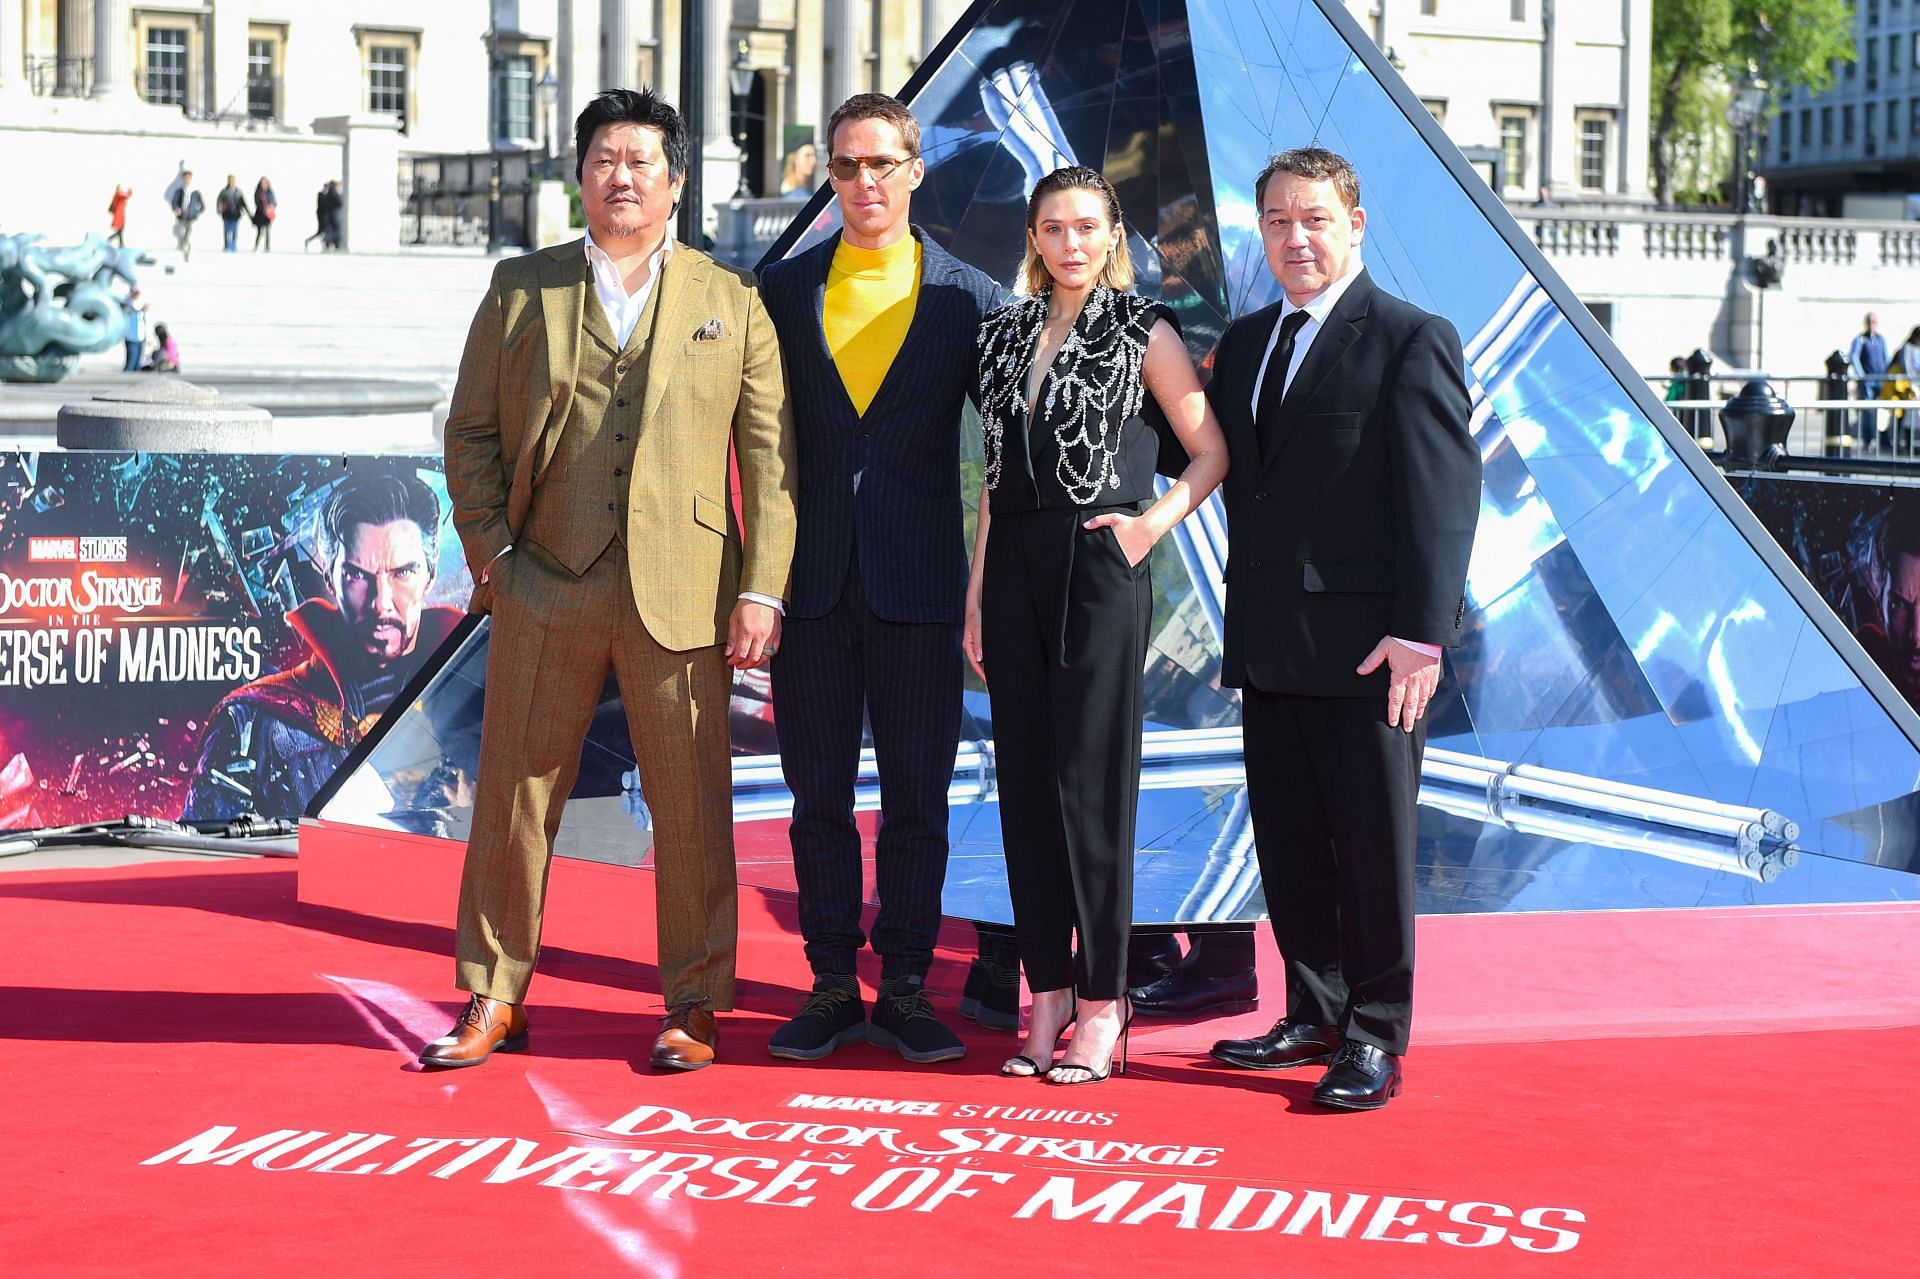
(1117,273)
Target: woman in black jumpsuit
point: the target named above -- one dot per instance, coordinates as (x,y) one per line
(1059,601)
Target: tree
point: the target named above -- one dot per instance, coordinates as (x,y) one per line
(1701,48)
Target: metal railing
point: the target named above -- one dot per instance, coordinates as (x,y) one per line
(57,77)
(1878,429)
(748,228)
(447,199)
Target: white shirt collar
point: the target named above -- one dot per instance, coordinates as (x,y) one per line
(622,308)
(1320,307)
(601,259)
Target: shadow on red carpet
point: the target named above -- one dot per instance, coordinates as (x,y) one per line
(205,1078)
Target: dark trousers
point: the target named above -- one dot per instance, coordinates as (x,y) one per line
(1334,795)
(1064,627)
(906,679)
(135,350)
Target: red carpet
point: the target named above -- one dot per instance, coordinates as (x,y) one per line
(1713,1093)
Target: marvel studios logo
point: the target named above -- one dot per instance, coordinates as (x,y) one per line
(81,550)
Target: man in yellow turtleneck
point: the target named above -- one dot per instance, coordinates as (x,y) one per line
(877,330)
(871,293)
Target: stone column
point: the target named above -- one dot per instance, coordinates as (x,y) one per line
(112,51)
(1559,131)
(369,167)
(616,44)
(846,47)
(1636,92)
(73,29)
(720,158)
(13,81)
(933,25)
(227,59)
(807,64)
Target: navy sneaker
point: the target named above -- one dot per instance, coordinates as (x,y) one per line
(992,995)
(903,1019)
(831,1016)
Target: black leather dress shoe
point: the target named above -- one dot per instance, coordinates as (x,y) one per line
(1288,1044)
(1362,1077)
(1151,956)
(1184,994)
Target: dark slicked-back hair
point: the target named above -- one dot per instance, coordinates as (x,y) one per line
(631,106)
(876,106)
(381,497)
(1315,164)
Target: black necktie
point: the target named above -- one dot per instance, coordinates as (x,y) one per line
(1273,387)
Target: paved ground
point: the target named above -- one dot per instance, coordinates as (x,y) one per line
(97,855)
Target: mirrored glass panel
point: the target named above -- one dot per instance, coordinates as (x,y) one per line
(1651,708)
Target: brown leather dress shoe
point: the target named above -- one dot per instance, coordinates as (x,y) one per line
(486,1026)
(687,1039)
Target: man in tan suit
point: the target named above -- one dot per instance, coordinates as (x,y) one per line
(602,386)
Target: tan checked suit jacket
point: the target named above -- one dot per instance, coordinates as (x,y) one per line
(557,629)
(515,395)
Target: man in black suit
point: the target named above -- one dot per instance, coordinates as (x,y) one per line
(877,328)
(1351,509)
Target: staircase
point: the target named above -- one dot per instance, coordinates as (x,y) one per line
(289,313)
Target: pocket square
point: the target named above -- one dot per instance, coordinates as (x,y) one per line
(711,331)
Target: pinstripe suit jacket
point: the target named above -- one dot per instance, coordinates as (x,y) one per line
(904,519)
(516,395)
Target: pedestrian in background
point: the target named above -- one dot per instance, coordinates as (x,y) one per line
(319,218)
(231,206)
(166,352)
(136,333)
(266,206)
(117,216)
(1867,361)
(1902,371)
(1676,379)
(188,205)
(797,180)
(335,204)
(327,207)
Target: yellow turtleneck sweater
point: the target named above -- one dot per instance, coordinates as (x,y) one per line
(869,305)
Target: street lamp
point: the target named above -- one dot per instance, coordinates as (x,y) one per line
(1743,112)
(740,80)
(494,226)
(549,96)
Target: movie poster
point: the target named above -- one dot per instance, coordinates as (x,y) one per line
(198,636)
(1859,543)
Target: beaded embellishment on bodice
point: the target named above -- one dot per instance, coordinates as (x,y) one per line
(1093,389)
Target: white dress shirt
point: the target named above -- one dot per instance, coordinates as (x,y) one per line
(1317,310)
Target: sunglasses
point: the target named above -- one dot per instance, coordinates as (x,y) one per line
(847,167)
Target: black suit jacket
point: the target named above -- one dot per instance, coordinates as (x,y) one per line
(905,519)
(1355,520)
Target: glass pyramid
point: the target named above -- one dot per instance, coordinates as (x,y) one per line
(1631,625)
